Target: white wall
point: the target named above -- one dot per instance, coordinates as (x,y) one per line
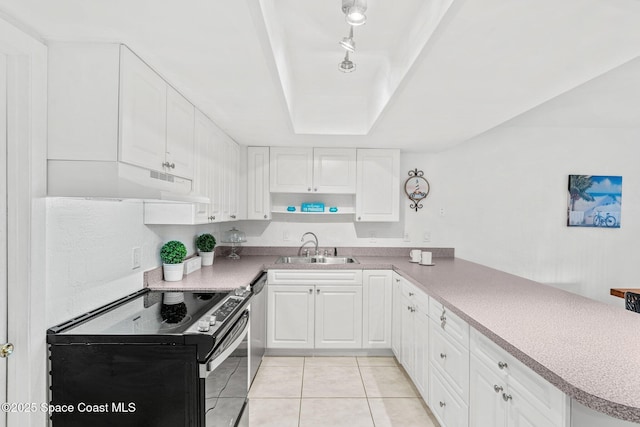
(89,252)
(505,192)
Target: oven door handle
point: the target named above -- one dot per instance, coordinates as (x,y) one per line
(237,337)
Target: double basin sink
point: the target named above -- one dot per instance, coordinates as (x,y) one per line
(318,259)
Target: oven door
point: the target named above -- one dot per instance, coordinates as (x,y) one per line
(226,378)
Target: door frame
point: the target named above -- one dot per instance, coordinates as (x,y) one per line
(26,219)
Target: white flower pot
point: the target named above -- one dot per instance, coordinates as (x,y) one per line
(173,272)
(207,257)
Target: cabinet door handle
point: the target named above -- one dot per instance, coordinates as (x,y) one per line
(309,189)
(317,291)
(172,165)
(443,356)
(442,404)
(497,388)
(398,280)
(265,217)
(233,216)
(310,291)
(443,323)
(359,218)
(506,397)
(410,294)
(315,189)
(502,365)
(409,307)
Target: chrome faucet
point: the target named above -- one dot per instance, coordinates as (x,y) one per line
(302,240)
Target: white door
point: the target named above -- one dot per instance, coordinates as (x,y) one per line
(421,338)
(143,113)
(334,170)
(3,231)
(203,140)
(291,170)
(217,171)
(407,347)
(338,317)
(258,196)
(486,407)
(377,309)
(378,188)
(180,127)
(396,320)
(290,316)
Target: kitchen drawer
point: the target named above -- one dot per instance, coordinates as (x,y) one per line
(314,277)
(445,405)
(488,352)
(450,323)
(450,359)
(418,298)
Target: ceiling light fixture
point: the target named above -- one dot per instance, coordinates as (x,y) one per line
(354,11)
(348,42)
(346,66)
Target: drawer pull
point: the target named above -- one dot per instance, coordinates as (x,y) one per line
(442,404)
(506,397)
(310,291)
(497,388)
(502,365)
(410,294)
(443,356)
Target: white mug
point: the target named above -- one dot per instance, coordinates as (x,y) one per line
(415,255)
(426,258)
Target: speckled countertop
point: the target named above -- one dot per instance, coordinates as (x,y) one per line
(589,350)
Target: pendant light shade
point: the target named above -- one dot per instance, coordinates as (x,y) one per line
(354,11)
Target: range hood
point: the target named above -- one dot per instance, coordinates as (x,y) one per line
(109,179)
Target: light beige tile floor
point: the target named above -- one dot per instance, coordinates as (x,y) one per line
(334,392)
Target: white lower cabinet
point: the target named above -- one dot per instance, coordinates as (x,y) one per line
(451,359)
(376,307)
(316,314)
(414,341)
(338,317)
(505,393)
(290,316)
(396,316)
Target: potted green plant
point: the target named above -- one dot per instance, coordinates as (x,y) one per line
(205,244)
(172,255)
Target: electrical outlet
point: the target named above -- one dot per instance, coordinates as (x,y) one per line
(426,237)
(406,237)
(136,258)
(286,236)
(372,237)
(442,212)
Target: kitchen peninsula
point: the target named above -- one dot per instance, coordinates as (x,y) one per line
(573,342)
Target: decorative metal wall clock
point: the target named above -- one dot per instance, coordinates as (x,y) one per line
(416,187)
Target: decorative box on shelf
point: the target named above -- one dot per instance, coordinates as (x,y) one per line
(312,207)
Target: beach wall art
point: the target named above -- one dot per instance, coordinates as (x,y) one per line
(594,201)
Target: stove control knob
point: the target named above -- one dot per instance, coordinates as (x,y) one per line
(203,325)
(213,320)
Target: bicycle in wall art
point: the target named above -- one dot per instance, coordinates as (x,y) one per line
(594,201)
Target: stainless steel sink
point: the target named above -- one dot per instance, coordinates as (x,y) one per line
(316,260)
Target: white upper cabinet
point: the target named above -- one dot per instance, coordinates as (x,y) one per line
(378,188)
(334,170)
(313,170)
(156,122)
(258,196)
(180,147)
(291,170)
(143,113)
(116,128)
